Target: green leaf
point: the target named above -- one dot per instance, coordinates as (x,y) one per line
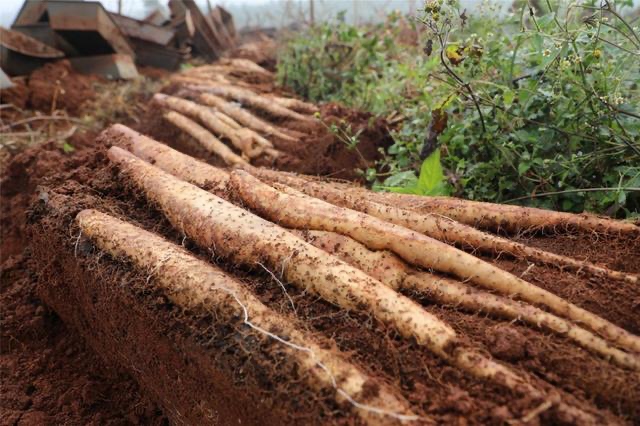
(402,179)
(523,167)
(430,172)
(508,96)
(68,148)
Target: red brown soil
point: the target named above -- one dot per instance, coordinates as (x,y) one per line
(320,152)
(153,73)
(48,374)
(55,86)
(433,387)
(18,95)
(317,151)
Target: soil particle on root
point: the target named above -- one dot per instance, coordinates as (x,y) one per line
(432,386)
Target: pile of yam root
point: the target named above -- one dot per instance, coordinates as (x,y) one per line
(380,255)
(391,258)
(216,103)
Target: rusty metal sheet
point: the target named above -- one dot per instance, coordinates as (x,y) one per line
(205,40)
(227,21)
(114,66)
(75,21)
(29,46)
(154,55)
(135,28)
(43,32)
(33,12)
(156,17)
(14,63)
(30,13)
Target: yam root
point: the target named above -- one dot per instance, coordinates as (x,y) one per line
(478,214)
(389,269)
(294,209)
(512,218)
(192,283)
(248,98)
(245,132)
(168,159)
(243,116)
(206,176)
(246,145)
(245,238)
(295,104)
(204,137)
(448,230)
(247,65)
(237,234)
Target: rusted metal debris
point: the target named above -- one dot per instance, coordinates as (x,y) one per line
(87,34)
(135,28)
(115,66)
(153,44)
(26,45)
(88,27)
(21,54)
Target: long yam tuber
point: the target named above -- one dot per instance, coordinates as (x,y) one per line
(294,209)
(192,283)
(444,229)
(237,234)
(389,269)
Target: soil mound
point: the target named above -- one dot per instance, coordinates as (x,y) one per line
(57,86)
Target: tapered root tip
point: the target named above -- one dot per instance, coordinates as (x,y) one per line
(85,215)
(118,155)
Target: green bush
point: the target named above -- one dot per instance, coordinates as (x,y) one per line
(520,104)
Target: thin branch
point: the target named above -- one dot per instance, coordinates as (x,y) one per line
(39,118)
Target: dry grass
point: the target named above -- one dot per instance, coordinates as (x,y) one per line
(114,101)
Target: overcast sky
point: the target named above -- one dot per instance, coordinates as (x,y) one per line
(264,12)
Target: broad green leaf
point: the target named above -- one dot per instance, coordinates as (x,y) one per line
(430,172)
